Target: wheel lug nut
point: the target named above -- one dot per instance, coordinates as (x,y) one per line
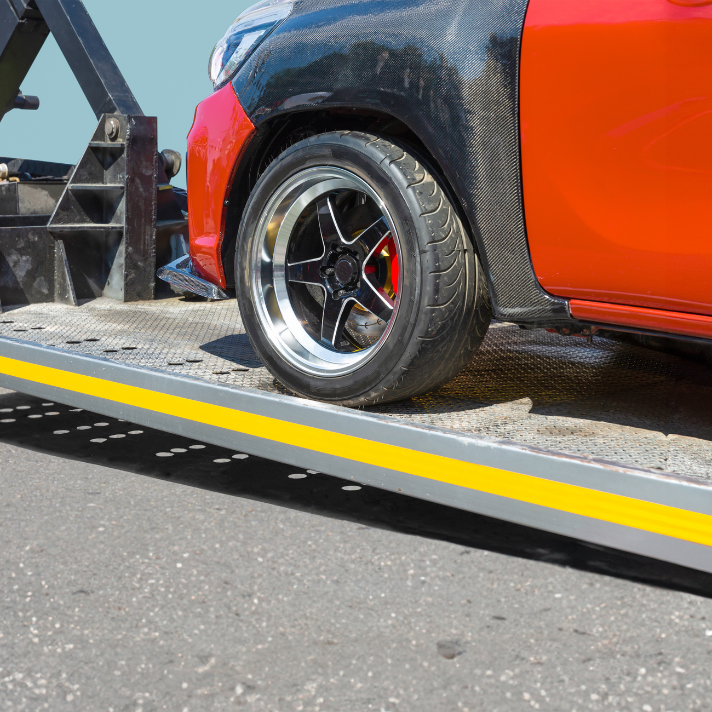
(328,271)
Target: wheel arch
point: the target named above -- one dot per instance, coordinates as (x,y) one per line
(275,135)
(451,72)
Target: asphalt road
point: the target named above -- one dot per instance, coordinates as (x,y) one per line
(199,581)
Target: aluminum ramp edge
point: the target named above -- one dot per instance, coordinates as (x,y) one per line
(665,517)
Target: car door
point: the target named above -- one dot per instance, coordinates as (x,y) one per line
(616,121)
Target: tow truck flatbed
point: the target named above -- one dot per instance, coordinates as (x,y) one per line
(605,442)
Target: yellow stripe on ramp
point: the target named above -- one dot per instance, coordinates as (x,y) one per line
(617,509)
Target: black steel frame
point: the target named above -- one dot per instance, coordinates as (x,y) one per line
(117,217)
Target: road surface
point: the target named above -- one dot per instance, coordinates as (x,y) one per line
(195,580)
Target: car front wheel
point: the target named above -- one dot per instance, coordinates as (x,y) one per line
(356,281)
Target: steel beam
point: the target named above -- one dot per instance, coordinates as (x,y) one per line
(662,516)
(22,35)
(101,80)
(25,25)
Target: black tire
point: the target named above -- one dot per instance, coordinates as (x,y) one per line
(444,307)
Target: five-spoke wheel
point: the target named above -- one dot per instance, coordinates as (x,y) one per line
(326,271)
(356,280)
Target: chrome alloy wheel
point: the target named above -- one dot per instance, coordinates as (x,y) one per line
(325,271)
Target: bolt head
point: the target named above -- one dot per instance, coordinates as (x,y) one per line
(113,129)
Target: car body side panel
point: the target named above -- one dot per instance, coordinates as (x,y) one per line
(449,69)
(616,111)
(216,141)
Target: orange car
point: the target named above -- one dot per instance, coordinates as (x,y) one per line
(377,179)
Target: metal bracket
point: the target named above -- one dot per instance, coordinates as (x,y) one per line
(180,274)
(22,34)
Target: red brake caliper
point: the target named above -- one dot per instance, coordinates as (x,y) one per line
(393,252)
(393,256)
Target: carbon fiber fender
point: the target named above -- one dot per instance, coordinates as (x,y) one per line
(449,70)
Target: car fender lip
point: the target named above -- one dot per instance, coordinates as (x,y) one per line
(220,133)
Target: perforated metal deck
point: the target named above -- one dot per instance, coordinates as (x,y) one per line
(608,400)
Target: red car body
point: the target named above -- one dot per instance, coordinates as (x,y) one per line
(616,150)
(220,132)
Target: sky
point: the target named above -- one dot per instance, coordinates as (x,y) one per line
(161,47)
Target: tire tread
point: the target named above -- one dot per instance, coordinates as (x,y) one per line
(454,322)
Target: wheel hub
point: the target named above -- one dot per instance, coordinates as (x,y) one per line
(341,271)
(346,271)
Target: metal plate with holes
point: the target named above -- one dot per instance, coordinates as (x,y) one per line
(606,442)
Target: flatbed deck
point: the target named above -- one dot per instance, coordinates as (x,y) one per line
(607,442)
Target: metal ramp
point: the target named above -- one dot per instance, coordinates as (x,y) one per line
(608,443)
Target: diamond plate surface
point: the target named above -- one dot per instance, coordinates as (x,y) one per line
(605,400)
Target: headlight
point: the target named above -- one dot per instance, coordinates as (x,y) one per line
(244,36)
